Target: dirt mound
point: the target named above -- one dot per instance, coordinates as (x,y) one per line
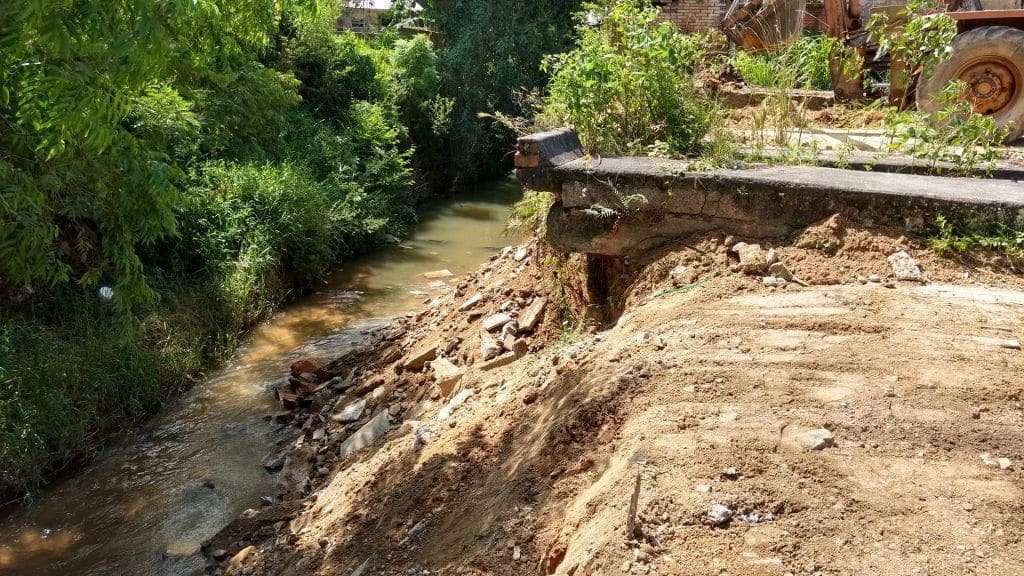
(723,425)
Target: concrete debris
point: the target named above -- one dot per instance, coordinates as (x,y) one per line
(753,259)
(420,356)
(351,413)
(719,515)
(366,436)
(532,315)
(905,268)
(454,404)
(446,374)
(496,321)
(489,346)
(779,270)
(471,302)
(503,360)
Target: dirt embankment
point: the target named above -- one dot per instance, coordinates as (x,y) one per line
(799,412)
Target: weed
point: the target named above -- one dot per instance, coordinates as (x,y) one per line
(529,213)
(949,237)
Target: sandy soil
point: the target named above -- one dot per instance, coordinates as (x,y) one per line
(603,452)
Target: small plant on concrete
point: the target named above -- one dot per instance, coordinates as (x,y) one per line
(954,134)
(629,83)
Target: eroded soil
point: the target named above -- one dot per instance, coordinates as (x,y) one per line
(602,452)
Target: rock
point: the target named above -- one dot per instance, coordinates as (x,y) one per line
(305,366)
(219,554)
(239,559)
(391,239)
(420,356)
(1001,463)
(753,259)
(874,278)
(370,432)
(532,315)
(471,302)
(351,413)
(521,254)
(682,275)
(772,257)
(446,374)
(517,554)
(496,321)
(438,274)
(703,488)
(774,282)
(531,397)
(817,439)
(520,347)
(905,268)
(453,405)
(503,360)
(361,569)
(719,515)
(779,270)
(274,464)
(489,346)
(508,342)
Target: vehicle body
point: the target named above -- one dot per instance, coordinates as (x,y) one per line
(987,53)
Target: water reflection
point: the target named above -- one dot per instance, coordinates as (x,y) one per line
(147,504)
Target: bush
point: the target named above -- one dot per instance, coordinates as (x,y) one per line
(628,85)
(805,63)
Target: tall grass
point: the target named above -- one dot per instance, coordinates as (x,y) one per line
(805,63)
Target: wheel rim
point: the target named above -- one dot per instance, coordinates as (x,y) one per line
(993,84)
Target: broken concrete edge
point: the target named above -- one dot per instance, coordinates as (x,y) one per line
(864,161)
(746,96)
(623,206)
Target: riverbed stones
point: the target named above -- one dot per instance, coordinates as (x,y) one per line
(532,314)
(438,274)
(905,268)
(366,436)
(351,413)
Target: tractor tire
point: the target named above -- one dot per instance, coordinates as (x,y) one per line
(990,60)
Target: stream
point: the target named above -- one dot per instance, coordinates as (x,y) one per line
(147,503)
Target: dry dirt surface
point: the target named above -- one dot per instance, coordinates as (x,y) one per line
(720,426)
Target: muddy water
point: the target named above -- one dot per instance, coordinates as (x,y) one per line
(145,506)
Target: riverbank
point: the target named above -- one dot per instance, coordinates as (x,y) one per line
(153,495)
(823,417)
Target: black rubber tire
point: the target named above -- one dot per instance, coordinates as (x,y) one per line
(1000,41)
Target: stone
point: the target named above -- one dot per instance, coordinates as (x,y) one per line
(489,346)
(274,464)
(517,554)
(521,254)
(446,374)
(219,554)
(779,270)
(905,268)
(471,302)
(367,435)
(520,347)
(351,413)
(239,559)
(361,569)
(420,356)
(772,257)
(874,278)
(305,366)
(503,360)
(454,404)
(496,321)
(774,282)
(438,274)
(817,439)
(753,259)
(530,317)
(719,515)
(682,275)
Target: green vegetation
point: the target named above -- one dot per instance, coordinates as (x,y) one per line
(169,174)
(490,64)
(628,86)
(962,236)
(805,63)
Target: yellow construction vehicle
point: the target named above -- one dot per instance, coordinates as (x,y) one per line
(987,53)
